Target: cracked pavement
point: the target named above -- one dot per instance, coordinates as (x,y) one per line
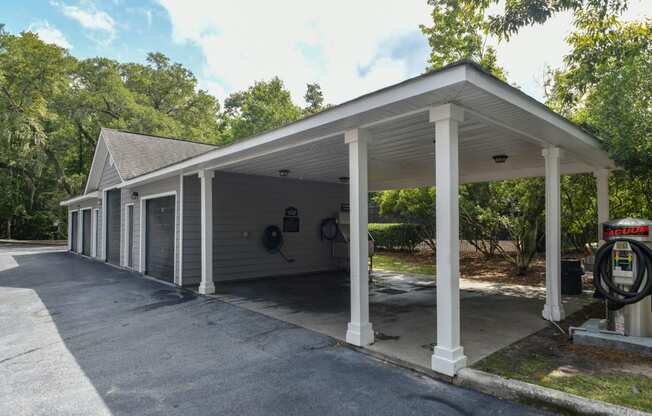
(78,337)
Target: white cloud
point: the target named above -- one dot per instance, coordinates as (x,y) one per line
(90,18)
(300,41)
(49,34)
(349,47)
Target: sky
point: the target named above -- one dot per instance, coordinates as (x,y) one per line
(349,47)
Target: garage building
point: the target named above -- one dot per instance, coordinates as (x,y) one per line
(195,215)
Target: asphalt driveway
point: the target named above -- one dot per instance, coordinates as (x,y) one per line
(82,338)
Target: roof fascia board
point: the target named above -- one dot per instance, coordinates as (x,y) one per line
(518,98)
(90,195)
(114,164)
(378,99)
(97,147)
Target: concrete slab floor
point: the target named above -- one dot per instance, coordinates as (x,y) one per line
(402,310)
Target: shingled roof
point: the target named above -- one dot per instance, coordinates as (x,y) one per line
(136,154)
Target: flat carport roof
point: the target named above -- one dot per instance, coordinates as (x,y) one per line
(498,119)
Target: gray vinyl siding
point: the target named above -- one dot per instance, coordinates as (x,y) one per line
(191,230)
(245,203)
(110,175)
(162,186)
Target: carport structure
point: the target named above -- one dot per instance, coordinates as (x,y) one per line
(442,128)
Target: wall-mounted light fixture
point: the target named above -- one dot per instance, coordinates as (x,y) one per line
(134,196)
(500,158)
(283,173)
(343,179)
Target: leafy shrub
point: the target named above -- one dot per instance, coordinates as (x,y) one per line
(396,236)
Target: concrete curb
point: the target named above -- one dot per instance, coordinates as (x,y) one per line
(536,395)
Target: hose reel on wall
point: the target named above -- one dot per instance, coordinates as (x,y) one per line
(273,242)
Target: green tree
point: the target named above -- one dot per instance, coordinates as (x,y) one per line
(480,222)
(460,31)
(606,87)
(32,74)
(171,90)
(314,98)
(265,105)
(521,13)
(415,205)
(52,107)
(520,207)
(578,211)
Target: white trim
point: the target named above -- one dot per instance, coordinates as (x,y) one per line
(104,224)
(80,231)
(94,231)
(180,274)
(114,165)
(78,199)
(126,236)
(553,309)
(448,356)
(81,235)
(69,229)
(359,330)
(97,146)
(143,229)
(77,237)
(207,284)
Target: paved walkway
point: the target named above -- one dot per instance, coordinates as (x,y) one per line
(81,338)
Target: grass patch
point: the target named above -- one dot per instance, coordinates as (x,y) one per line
(392,263)
(624,389)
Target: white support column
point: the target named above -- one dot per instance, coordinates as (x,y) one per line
(359,331)
(553,309)
(80,231)
(103,230)
(70,236)
(602,185)
(93,231)
(206,286)
(448,357)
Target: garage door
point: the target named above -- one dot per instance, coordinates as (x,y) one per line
(86,232)
(159,238)
(74,227)
(113,227)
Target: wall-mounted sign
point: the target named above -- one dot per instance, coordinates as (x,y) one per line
(345,207)
(291,222)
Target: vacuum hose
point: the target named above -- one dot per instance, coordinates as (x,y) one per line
(273,242)
(603,279)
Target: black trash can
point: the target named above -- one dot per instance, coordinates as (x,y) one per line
(571,277)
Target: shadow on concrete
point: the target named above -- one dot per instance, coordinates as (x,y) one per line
(81,337)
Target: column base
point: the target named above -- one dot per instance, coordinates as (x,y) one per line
(360,335)
(553,312)
(206,288)
(447,361)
